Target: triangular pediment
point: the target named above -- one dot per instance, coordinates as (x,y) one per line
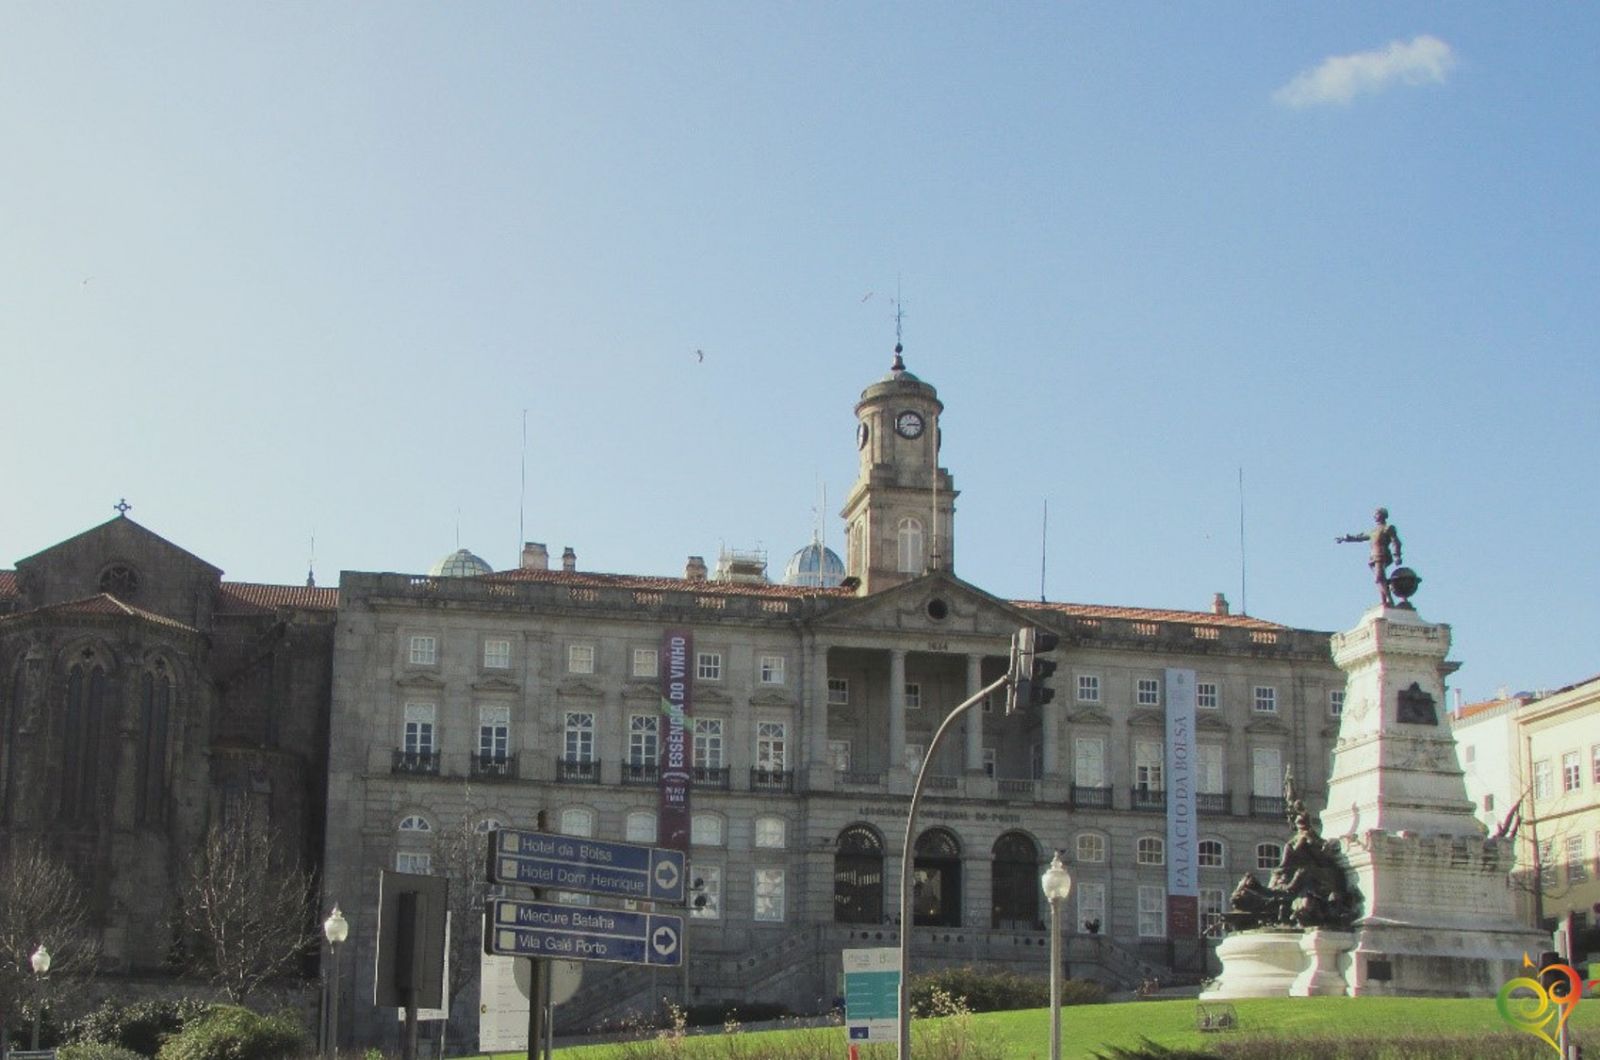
(1089,716)
(495,684)
(124,559)
(771,698)
(427,681)
(1152,718)
(1267,724)
(577,686)
(711,694)
(1211,723)
(935,605)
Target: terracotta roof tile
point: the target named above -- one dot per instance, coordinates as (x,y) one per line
(252,596)
(8,583)
(1472,709)
(1150,614)
(102,604)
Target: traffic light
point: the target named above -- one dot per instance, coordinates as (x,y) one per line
(1029,670)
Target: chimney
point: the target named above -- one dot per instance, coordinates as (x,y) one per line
(535,556)
(569,559)
(1219,604)
(695,569)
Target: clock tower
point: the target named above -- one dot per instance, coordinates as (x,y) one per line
(900,514)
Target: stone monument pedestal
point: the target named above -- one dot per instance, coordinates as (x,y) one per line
(1260,963)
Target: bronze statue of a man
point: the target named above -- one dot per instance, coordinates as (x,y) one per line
(1385,551)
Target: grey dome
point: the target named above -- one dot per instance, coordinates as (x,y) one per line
(460,564)
(816,566)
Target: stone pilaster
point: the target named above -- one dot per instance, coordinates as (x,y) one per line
(897,708)
(974,717)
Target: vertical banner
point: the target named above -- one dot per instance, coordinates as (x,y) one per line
(1183,883)
(677,741)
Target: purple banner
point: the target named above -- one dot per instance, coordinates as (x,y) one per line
(677,740)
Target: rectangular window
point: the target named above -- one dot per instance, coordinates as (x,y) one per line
(1149,759)
(1541,779)
(771,833)
(424,651)
(640,827)
(772,667)
(1148,692)
(705,830)
(1152,912)
(1266,699)
(1571,772)
(839,755)
(1336,703)
(417,738)
(1089,761)
(1208,775)
(642,735)
(1594,759)
(1205,695)
(1150,850)
(1488,803)
(494,731)
(579,745)
(1208,855)
(1088,688)
(1091,847)
(411,861)
(709,666)
(708,743)
(705,891)
(497,654)
(580,658)
(838,691)
(913,695)
(772,746)
(769,896)
(1091,907)
(1266,771)
(1469,754)
(988,761)
(1212,926)
(1268,855)
(1577,871)
(644,662)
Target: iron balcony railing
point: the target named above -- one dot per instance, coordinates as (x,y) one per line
(1149,800)
(639,772)
(780,781)
(1091,797)
(416,763)
(578,770)
(494,766)
(714,778)
(1214,803)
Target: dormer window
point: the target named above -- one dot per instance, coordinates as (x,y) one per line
(120,580)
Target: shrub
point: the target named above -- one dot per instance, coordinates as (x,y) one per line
(139,1027)
(1082,992)
(1410,1047)
(720,1013)
(95,1051)
(987,990)
(1148,1050)
(231,1033)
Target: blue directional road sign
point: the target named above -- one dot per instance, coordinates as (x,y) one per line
(590,866)
(582,933)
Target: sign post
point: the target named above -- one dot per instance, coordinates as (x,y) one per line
(583,933)
(872,995)
(568,863)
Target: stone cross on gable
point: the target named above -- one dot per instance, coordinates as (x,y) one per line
(123,507)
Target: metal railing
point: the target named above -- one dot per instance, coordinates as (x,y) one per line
(494,767)
(416,763)
(1266,806)
(1085,797)
(639,772)
(1149,800)
(780,781)
(712,777)
(1216,804)
(578,770)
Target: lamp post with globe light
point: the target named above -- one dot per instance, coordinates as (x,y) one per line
(336,929)
(1057,884)
(40,959)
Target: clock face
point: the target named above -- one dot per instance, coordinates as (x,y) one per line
(908,424)
(861,435)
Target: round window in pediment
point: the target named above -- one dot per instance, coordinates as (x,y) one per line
(120,580)
(938,610)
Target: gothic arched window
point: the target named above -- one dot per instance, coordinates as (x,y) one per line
(155,717)
(908,536)
(81,725)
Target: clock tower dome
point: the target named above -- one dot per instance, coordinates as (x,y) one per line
(900,514)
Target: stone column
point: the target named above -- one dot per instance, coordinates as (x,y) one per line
(814,663)
(897,708)
(974,716)
(1050,739)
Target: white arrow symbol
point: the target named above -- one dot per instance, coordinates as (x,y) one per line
(666,875)
(665,941)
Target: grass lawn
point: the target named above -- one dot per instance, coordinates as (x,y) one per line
(1087,1028)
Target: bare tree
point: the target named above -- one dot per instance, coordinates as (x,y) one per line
(42,905)
(462,847)
(247,909)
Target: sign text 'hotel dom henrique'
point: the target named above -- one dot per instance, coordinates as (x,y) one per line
(568,863)
(582,933)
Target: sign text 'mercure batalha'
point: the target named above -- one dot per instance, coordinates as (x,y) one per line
(582,933)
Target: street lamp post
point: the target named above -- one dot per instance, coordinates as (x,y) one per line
(336,929)
(41,966)
(1057,884)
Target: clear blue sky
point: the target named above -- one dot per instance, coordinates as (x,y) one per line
(270,269)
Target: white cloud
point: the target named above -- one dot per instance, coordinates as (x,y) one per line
(1340,78)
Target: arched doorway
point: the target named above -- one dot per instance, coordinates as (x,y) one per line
(936,879)
(1014,898)
(858,876)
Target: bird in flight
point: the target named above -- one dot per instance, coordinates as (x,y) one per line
(868,295)
(700,356)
